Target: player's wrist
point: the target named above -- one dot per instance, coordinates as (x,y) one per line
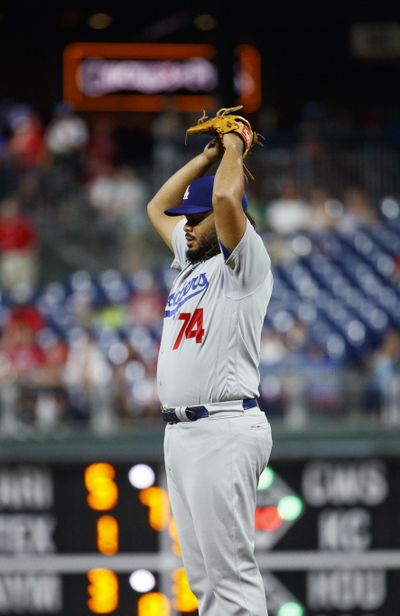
(207,158)
(235,142)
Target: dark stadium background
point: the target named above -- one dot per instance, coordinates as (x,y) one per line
(305,47)
(327,518)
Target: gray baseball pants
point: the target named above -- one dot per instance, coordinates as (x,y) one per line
(212,468)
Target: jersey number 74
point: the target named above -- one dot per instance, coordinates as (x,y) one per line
(192,327)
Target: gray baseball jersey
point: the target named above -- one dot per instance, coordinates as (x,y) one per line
(213,319)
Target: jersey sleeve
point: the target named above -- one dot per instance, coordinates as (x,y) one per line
(248,265)
(179,246)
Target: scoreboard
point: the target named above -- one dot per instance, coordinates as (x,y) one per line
(98,537)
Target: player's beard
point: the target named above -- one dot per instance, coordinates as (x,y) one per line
(208,247)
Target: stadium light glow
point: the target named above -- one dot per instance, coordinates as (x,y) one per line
(291,608)
(266,479)
(290,507)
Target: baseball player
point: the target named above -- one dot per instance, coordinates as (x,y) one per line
(217,441)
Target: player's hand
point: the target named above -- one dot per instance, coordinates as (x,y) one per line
(213,150)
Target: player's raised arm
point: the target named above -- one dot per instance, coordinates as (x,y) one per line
(237,137)
(172,191)
(230,219)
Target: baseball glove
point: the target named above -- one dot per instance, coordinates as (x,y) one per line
(225,121)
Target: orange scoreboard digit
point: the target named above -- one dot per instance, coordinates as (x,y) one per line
(139,76)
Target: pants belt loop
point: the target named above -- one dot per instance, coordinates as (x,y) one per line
(180,412)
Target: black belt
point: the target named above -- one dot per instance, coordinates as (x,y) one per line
(193,413)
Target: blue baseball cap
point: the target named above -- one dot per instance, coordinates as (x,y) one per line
(198,198)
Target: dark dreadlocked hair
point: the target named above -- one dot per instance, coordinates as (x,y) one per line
(251,220)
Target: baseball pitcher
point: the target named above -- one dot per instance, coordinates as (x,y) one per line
(217,440)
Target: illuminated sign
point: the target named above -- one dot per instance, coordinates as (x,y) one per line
(138,76)
(101,77)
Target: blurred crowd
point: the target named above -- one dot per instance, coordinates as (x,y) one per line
(83,278)
(84,352)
